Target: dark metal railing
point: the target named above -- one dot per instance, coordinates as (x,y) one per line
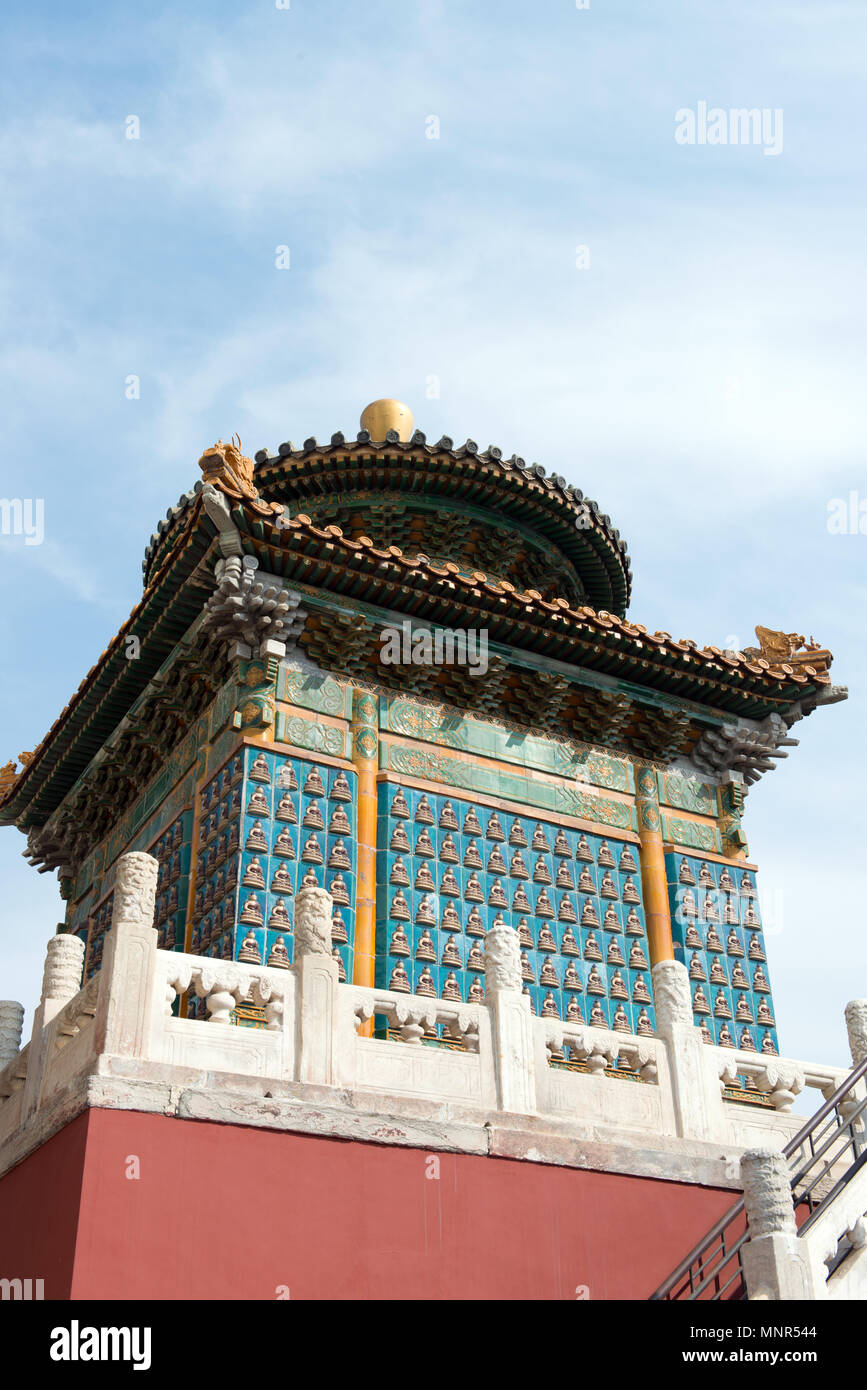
(713,1269)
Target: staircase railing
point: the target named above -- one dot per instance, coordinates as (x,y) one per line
(713,1268)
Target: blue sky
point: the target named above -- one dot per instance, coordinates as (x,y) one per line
(702,377)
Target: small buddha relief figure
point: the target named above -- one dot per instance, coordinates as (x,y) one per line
(688,907)
(312,851)
(548,975)
(751,918)
(339,933)
(424,844)
(541,872)
(768,1046)
(235,803)
(449,884)
(449,851)
(589,915)
(595,983)
(561,844)
(517,867)
(527,969)
(572,979)
(569,946)
(627,861)
(748,887)
(253,877)
(693,940)
(520,901)
(473,890)
(637,958)
(614,955)
(256,838)
(339,891)
(610,920)
(573,1011)
(566,909)
(339,823)
(726,882)
(496,862)
(546,939)
(597,1016)
(286,777)
(471,825)
(696,968)
(450,919)
(605,857)
(549,1007)
(249,952)
(544,907)
(448,819)
(197,904)
(399,807)
(524,936)
(721,1006)
(225,952)
(310,880)
(640,991)
(686,874)
(705,877)
(713,941)
(451,955)
(585,881)
(717,974)
(760,981)
(621,1020)
(643,1027)
(341,968)
(252,912)
(591,948)
(399,981)
(283,846)
(425,949)
(539,843)
(564,876)
(340,788)
(258,804)
(424,812)
(739,979)
(617,986)
(730,913)
(399,907)
(399,840)
(710,911)
(733,945)
(517,835)
(339,858)
(706,1034)
(451,988)
(221,850)
(633,923)
(313,783)
(699,1001)
(475,993)
(286,810)
(425,984)
(582,849)
(743,1013)
(495,830)
(746,1043)
(425,913)
(279,918)
(630,892)
(754,950)
(475,924)
(497,896)
(398,873)
(764,1015)
(259,769)
(472,857)
(476,957)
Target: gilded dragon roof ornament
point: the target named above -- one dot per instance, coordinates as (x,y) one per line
(231,471)
(789,649)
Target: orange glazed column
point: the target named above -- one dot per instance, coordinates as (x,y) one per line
(653,866)
(365,756)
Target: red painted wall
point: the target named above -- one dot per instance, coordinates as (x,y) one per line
(39,1205)
(221,1211)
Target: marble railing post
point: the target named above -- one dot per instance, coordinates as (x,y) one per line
(130,997)
(775,1266)
(61,981)
(511,1022)
(317,979)
(11,1021)
(692,1067)
(856,1028)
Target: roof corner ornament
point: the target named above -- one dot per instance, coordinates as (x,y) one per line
(255,616)
(790,649)
(9,775)
(232,472)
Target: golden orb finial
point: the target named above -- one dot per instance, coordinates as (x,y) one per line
(381,416)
